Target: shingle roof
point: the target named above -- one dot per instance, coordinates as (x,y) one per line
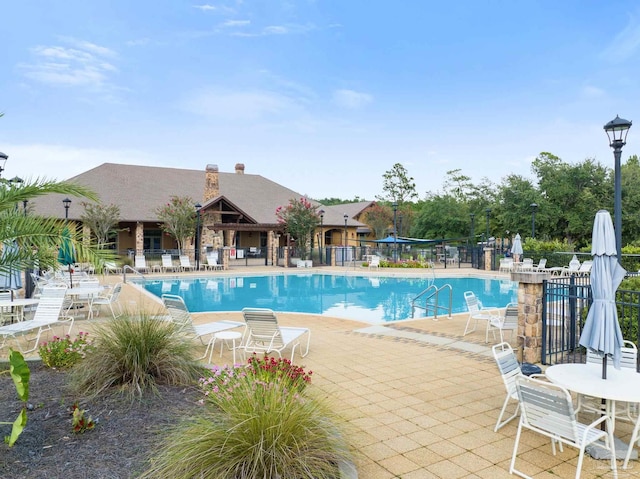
(140,190)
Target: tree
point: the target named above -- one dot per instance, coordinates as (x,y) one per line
(300,219)
(178,219)
(378,218)
(398,185)
(38,237)
(102,220)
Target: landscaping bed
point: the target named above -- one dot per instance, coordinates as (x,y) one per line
(119,445)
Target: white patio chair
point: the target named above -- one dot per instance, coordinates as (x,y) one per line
(109,300)
(508,322)
(547,410)
(167,263)
(47,314)
(478,313)
(506,265)
(264,334)
(110,267)
(185,263)
(541,266)
(527,264)
(8,314)
(211,263)
(140,263)
(374,262)
(181,316)
(624,411)
(509,370)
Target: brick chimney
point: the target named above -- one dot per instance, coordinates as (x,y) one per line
(239,168)
(212,183)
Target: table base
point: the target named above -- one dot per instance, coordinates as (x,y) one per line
(599,452)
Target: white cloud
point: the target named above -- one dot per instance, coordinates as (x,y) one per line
(82,64)
(625,44)
(60,162)
(238,105)
(235,23)
(590,91)
(214,8)
(351,99)
(275,30)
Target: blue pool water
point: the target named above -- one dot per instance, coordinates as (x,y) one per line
(364,298)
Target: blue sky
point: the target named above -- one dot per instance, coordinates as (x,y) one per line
(322,96)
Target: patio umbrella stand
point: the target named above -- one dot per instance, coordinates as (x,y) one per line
(601,332)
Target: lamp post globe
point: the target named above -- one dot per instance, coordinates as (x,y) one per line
(617,130)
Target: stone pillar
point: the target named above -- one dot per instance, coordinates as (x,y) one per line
(225,257)
(333,256)
(286,257)
(272,245)
(487,258)
(530,314)
(211,183)
(139,238)
(239,168)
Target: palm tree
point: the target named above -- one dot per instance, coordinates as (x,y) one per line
(38,237)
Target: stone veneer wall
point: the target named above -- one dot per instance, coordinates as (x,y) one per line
(529,332)
(211,190)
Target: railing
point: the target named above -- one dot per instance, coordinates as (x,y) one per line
(432,301)
(565,305)
(133,270)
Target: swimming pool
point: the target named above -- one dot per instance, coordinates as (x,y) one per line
(364,298)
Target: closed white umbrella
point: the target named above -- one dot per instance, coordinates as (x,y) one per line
(516,248)
(601,332)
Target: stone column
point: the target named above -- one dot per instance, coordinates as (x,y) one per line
(286,257)
(487,258)
(530,314)
(225,257)
(139,238)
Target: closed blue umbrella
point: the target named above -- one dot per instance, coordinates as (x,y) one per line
(11,278)
(601,332)
(66,252)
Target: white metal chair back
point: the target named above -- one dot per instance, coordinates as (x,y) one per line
(140,262)
(542,264)
(50,304)
(548,410)
(262,329)
(628,356)
(509,370)
(185,263)
(167,262)
(179,313)
(473,303)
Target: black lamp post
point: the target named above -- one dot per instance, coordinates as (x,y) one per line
(24,206)
(3,161)
(66,202)
(488,211)
(344,253)
(473,221)
(395,232)
(617,130)
(534,206)
(197,252)
(321,233)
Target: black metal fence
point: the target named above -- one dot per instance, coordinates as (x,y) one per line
(565,304)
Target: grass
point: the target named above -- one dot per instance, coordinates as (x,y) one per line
(254,427)
(134,354)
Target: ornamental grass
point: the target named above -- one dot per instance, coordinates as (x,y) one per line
(133,355)
(255,426)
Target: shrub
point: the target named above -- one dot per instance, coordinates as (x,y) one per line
(255,424)
(64,352)
(134,354)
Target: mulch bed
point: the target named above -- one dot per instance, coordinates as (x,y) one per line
(119,446)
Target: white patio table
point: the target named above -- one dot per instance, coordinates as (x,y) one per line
(621,384)
(85,295)
(19,304)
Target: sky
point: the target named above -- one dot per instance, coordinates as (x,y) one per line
(321,96)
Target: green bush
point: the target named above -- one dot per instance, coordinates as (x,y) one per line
(255,423)
(64,352)
(134,354)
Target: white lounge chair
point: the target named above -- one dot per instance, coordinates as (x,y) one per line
(110,267)
(47,314)
(167,263)
(541,266)
(185,263)
(506,265)
(264,334)
(140,263)
(211,263)
(374,262)
(547,409)
(478,313)
(181,316)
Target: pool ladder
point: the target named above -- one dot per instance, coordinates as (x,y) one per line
(431,297)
